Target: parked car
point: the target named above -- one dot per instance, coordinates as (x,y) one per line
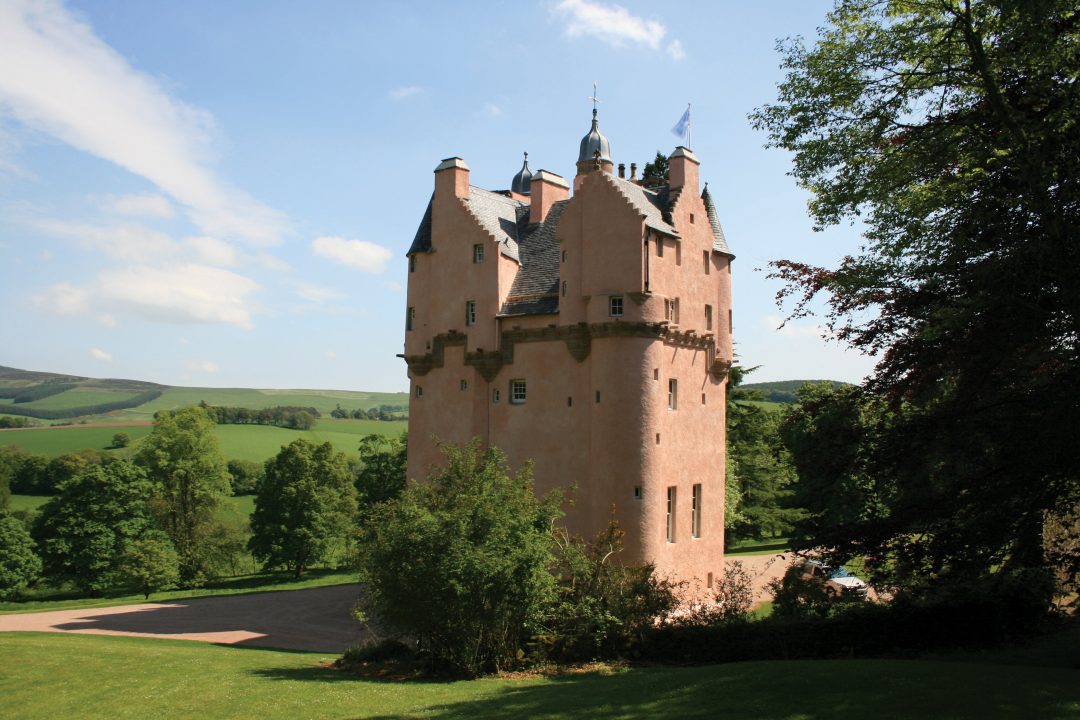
(838,582)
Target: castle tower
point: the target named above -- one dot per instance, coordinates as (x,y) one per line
(590,334)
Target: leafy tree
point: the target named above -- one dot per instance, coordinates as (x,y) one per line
(120,440)
(66,466)
(950,129)
(655,173)
(244,476)
(460,562)
(83,531)
(31,475)
(182,458)
(381,473)
(19,564)
(305,502)
(150,563)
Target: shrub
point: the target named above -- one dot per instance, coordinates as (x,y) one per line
(460,562)
(120,440)
(150,563)
(796,596)
(19,564)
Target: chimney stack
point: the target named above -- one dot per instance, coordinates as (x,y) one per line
(633,172)
(452,177)
(683,169)
(546,188)
(622,170)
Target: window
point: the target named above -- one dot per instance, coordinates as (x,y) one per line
(597,397)
(691,218)
(615,306)
(671,311)
(730,322)
(671,514)
(656,373)
(478,254)
(410,318)
(464,384)
(708,317)
(517,391)
(470,312)
(695,512)
(569,402)
(678,253)
(672,394)
(659,247)
(564,256)
(564,288)
(705,261)
(419,391)
(702,398)
(637,492)
(657,438)
(708,582)
(495,395)
(412,263)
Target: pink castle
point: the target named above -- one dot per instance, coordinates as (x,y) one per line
(590,334)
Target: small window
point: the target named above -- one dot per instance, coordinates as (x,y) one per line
(656,373)
(615,306)
(564,288)
(708,317)
(678,254)
(659,247)
(637,492)
(517,391)
(702,398)
(410,318)
(672,394)
(705,261)
(671,514)
(708,582)
(495,395)
(478,253)
(671,311)
(412,263)
(419,391)
(564,256)
(657,438)
(470,312)
(730,322)
(569,402)
(691,218)
(464,384)
(597,397)
(695,512)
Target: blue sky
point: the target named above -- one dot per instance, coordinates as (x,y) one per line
(221,194)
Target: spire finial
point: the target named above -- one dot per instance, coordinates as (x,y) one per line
(594,98)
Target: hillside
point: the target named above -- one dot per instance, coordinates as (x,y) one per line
(783,391)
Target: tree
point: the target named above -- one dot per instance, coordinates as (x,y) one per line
(83,531)
(31,476)
(19,564)
(244,476)
(381,474)
(182,458)
(150,563)
(304,504)
(460,562)
(655,173)
(120,440)
(950,128)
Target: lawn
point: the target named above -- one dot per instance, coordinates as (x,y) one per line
(758,546)
(239,442)
(119,677)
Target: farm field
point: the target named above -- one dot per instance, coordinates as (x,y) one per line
(322,400)
(81,397)
(238,442)
(118,677)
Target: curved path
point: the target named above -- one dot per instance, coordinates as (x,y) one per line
(315,620)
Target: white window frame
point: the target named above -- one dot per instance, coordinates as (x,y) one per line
(615,306)
(673,394)
(518,391)
(478,253)
(470,313)
(695,511)
(671,497)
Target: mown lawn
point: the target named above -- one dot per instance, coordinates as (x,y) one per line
(59,676)
(757,546)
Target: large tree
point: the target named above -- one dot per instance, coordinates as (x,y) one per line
(305,505)
(950,128)
(182,458)
(19,564)
(381,472)
(83,532)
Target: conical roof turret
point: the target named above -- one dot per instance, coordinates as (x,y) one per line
(523,180)
(593,142)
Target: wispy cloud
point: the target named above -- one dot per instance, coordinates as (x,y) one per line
(789,329)
(144,205)
(205,366)
(101,355)
(135,243)
(614,25)
(58,78)
(358,254)
(316,293)
(492,109)
(405,92)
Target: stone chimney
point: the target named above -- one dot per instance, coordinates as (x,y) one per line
(452,178)
(622,170)
(633,172)
(683,169)
(547,189)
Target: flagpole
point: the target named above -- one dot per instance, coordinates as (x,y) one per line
(689,129)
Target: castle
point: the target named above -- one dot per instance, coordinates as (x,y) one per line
(591,334)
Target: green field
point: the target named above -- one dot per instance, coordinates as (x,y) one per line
(81,397)
(61,676)
(238,442)
(322,400)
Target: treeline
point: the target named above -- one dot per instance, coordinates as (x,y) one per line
(383,412)
(286,416)
(34,392)
(6,422)
(99,409)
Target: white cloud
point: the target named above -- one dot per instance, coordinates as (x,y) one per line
(184,294)
(145,205)
(183,341)
(405,92)
(331,355)
(316,293)
(206,366)
(358,254)
(790,329)
(100,355)
(57,77)
(212,251)
(134,243)
(272,262)
(107,320)
(492,109)
(612,24)
(676,51)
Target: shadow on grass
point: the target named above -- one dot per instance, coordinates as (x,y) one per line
(811,690)
(759,549)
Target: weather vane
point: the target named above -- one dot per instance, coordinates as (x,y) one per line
(593,97)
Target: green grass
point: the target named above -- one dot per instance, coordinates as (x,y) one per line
(758,546)
(238,442)
(28,502)
(81,397)
(86,676)
(322,400)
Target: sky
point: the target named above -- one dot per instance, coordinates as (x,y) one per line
(222,194)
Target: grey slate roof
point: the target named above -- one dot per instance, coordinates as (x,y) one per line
(719,241)
(501,216)
(647,202)
(422,240)
(536,286)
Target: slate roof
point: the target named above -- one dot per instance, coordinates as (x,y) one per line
(501,216)
(719,241)
(536,286)
(647,202)
(422,240)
